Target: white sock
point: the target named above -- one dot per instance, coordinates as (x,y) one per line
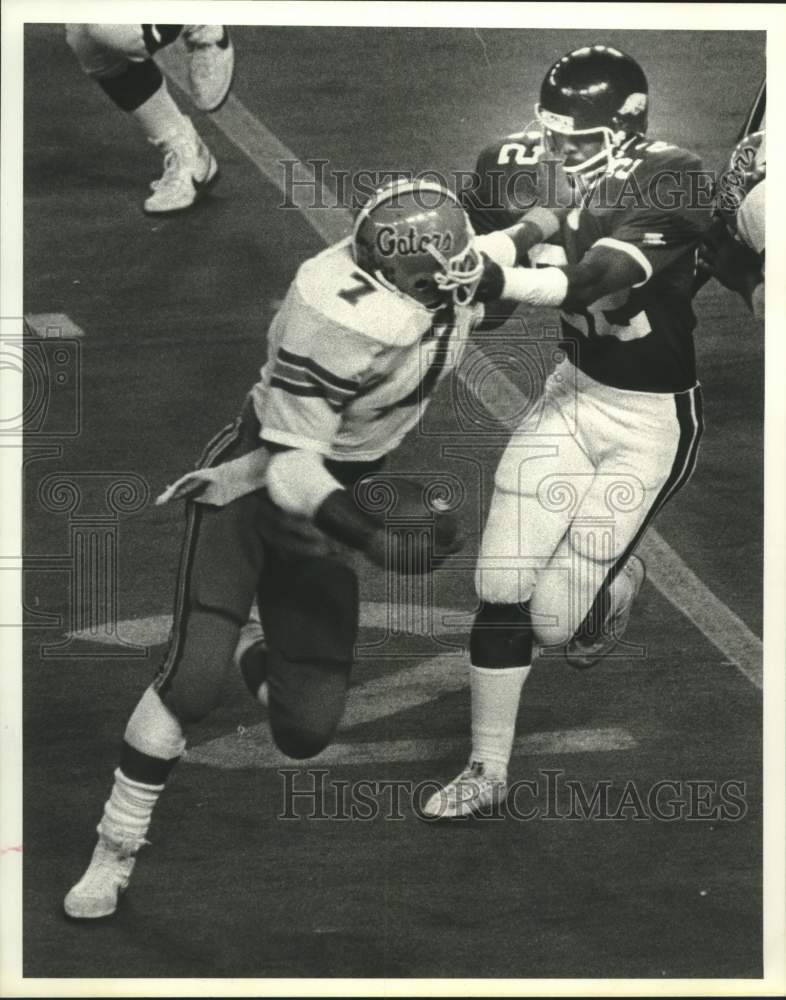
(159,117)
(129,809)
(495,705)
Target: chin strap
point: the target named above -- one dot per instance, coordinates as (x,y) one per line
(458,275)
(604,162)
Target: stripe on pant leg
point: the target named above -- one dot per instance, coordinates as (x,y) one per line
(226,438)
(689,412)
(157,36)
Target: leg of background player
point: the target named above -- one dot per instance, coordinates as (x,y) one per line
(118,57)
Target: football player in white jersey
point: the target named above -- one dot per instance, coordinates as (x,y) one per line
(367,330)
(119,57)
(734,253)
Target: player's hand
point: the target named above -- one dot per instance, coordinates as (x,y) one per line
(730,262)
(392,524)
(413,552)
(491,283)
(292,532)
(192,485)
(414,535)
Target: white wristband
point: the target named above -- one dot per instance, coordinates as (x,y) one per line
(542,286)
(499,246)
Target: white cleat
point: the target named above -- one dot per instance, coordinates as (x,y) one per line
(472,793)
(211,64)
(96,894)
(582,653)
(251,657)
(190,170)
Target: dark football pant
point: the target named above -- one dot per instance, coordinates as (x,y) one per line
(308,603)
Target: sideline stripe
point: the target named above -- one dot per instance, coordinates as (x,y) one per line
(709,614)
(667,572)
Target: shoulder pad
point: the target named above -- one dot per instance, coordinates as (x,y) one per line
(332,285)
(661,155)
(519,148)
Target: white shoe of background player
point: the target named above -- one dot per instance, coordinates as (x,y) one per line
(190,170)
(211,64)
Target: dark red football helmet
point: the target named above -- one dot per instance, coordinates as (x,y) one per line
(594,91)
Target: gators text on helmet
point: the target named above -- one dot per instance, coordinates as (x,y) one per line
(594,91)
(416,240)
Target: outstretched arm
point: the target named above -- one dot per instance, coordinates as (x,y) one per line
(604,269)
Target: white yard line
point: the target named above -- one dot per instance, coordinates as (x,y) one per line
(53,326)
(154,630)
(667,572)
(376,699)
(254,748)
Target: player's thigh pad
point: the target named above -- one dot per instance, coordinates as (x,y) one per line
(540,480)
(643,452)
(309,610)
(106,49)
(599,535)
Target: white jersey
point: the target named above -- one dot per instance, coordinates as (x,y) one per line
(351,364)
(750,218)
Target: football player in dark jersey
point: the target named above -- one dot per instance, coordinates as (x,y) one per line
(616,429)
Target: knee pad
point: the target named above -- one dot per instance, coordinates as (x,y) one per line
(133,85)
(501,636)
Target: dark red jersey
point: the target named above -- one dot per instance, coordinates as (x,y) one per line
(504,185)
(655,207)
